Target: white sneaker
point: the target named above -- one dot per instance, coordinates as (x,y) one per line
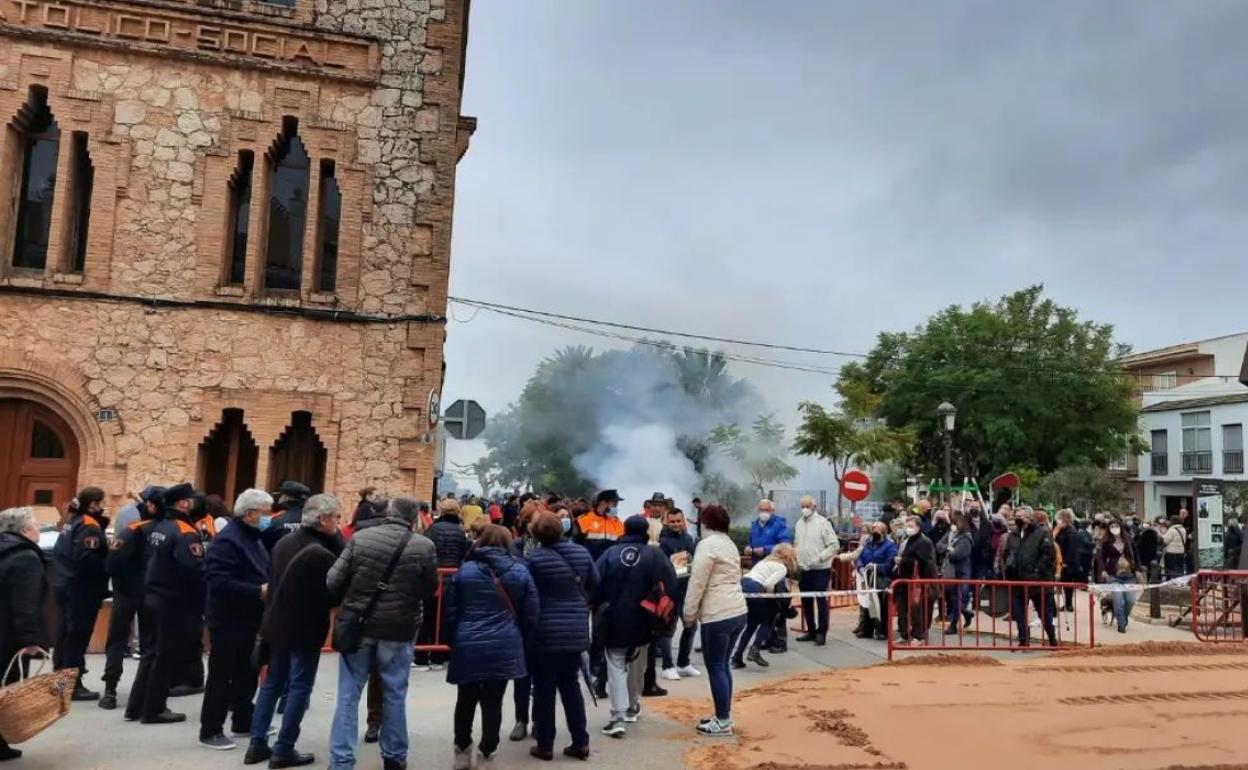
(716,728)
(420,667)
(485,762)
(671,675)
(615,728)
(436,666)
(463,759)
(688,671)
(632,714)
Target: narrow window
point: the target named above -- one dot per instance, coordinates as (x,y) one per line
(82,180)
(239,216)
(41,142)
(288,210)
(327,229)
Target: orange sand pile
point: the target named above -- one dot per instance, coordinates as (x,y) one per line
(1151,708)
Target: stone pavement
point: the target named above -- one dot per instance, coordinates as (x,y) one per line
(91,739)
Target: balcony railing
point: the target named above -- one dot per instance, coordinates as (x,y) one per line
(1233,461)
(1161,463)
(1198,462)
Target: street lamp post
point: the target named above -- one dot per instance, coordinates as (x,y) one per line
(946,413)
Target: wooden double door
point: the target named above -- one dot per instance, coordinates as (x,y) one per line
(38,458)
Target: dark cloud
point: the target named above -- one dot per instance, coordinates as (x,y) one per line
(815,172)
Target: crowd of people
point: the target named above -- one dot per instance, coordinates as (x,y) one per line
(540,593)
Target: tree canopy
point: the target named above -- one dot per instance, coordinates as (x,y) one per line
(1034,387)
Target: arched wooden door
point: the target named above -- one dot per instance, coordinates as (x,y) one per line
(38,458)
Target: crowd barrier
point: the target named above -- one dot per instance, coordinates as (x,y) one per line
(1218,600)
(437,645)
(926,606)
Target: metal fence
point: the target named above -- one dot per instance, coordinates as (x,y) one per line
(1218,599)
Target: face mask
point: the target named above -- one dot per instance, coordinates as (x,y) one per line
(764,517)
(1115,531)
(876,537)
(264,523)
(808,512)
(953,528)
(614,511)
(566,524)
(912,531)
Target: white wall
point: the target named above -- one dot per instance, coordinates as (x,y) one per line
(1175,482)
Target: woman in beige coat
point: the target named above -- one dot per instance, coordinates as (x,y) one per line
(714,599)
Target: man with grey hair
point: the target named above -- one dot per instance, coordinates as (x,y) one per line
(237,572)
(390,621)
(296,622)
(22,595)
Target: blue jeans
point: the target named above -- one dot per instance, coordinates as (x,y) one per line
(1123,602)
(291,673)
(394,663)
(717,639)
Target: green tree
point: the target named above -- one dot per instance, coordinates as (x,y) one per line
(848,438)
(1034,387)
(1083,488)
(760,453)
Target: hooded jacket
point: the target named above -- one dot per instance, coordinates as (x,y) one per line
(566,578)
(354,577)
(23,591)
(628,571)
(491,614)
(816,543)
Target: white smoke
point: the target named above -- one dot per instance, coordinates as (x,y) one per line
(639,460)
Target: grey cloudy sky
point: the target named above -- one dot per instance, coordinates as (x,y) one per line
(816,172)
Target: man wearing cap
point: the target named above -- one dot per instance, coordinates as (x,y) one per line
(81,582)
(175,587)
(291,496)
(598,529)
(127,566)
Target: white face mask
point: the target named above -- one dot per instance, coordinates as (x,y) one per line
(808,512)
(763,517)
(912,531)
(1115,531)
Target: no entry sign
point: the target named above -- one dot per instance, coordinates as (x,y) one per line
(855,486)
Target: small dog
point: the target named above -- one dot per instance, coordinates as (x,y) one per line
(1107,610)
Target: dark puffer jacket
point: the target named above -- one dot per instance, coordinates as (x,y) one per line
(447,534)
(628,572)
(1036,557)
(355,575)
(564,622)
(487,631)
(23,590)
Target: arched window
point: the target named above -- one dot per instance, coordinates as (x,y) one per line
(238,226)
(81,183)
(227,457)
(298,455)
(45,444)
(39,142)
(330,213)
(288,209)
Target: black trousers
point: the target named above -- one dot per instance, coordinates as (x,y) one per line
(489,695)
(190,671)
(231,684)
(558,672)
(125,608)
(815,580)
(176,628)
(78,611)
(428,629)
(1043,602)
(522,697)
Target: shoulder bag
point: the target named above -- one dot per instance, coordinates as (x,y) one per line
(349,625)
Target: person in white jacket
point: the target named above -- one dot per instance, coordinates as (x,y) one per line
(766,578)
(815,541)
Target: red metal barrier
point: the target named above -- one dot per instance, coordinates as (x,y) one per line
(438,645)
(990,605)
(1218,600)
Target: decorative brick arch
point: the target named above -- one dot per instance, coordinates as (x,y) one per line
(59,386)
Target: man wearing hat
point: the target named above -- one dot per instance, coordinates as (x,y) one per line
(175,587)
(598,529)
(127,566)
(291,496)
(81,582)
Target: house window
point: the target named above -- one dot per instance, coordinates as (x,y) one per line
(1233,448)
(239,216)
(327,229)
(1165,380)
(288,209)
(1160,453)
(40,143)
(81,183)
(1197,443)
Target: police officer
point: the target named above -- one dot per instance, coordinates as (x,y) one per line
(81,582)
(291,496)
(172,599)
(188,675)
(127,566)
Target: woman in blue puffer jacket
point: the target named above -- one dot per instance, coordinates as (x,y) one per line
(565,577)
(491,612)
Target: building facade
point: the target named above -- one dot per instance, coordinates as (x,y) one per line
(225,235)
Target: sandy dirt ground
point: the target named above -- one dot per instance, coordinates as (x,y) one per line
(1151,706)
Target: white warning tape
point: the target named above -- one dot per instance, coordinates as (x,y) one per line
(1096,588)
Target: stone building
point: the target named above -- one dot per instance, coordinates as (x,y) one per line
(225,236)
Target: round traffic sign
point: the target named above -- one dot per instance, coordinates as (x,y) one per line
(855,486)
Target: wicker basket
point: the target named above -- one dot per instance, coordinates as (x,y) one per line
(30,706)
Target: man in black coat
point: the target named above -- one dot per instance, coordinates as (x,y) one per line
(1232,543)
(236,570)
(290,499)
(172,598)
(447,534)
(296,623)
(1035,561)
(22,595)
(917,559)
(127,566)
(629,571)
(81,553)
(981,541)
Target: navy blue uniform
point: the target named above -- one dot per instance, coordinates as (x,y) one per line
(127,566)
(81,586)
